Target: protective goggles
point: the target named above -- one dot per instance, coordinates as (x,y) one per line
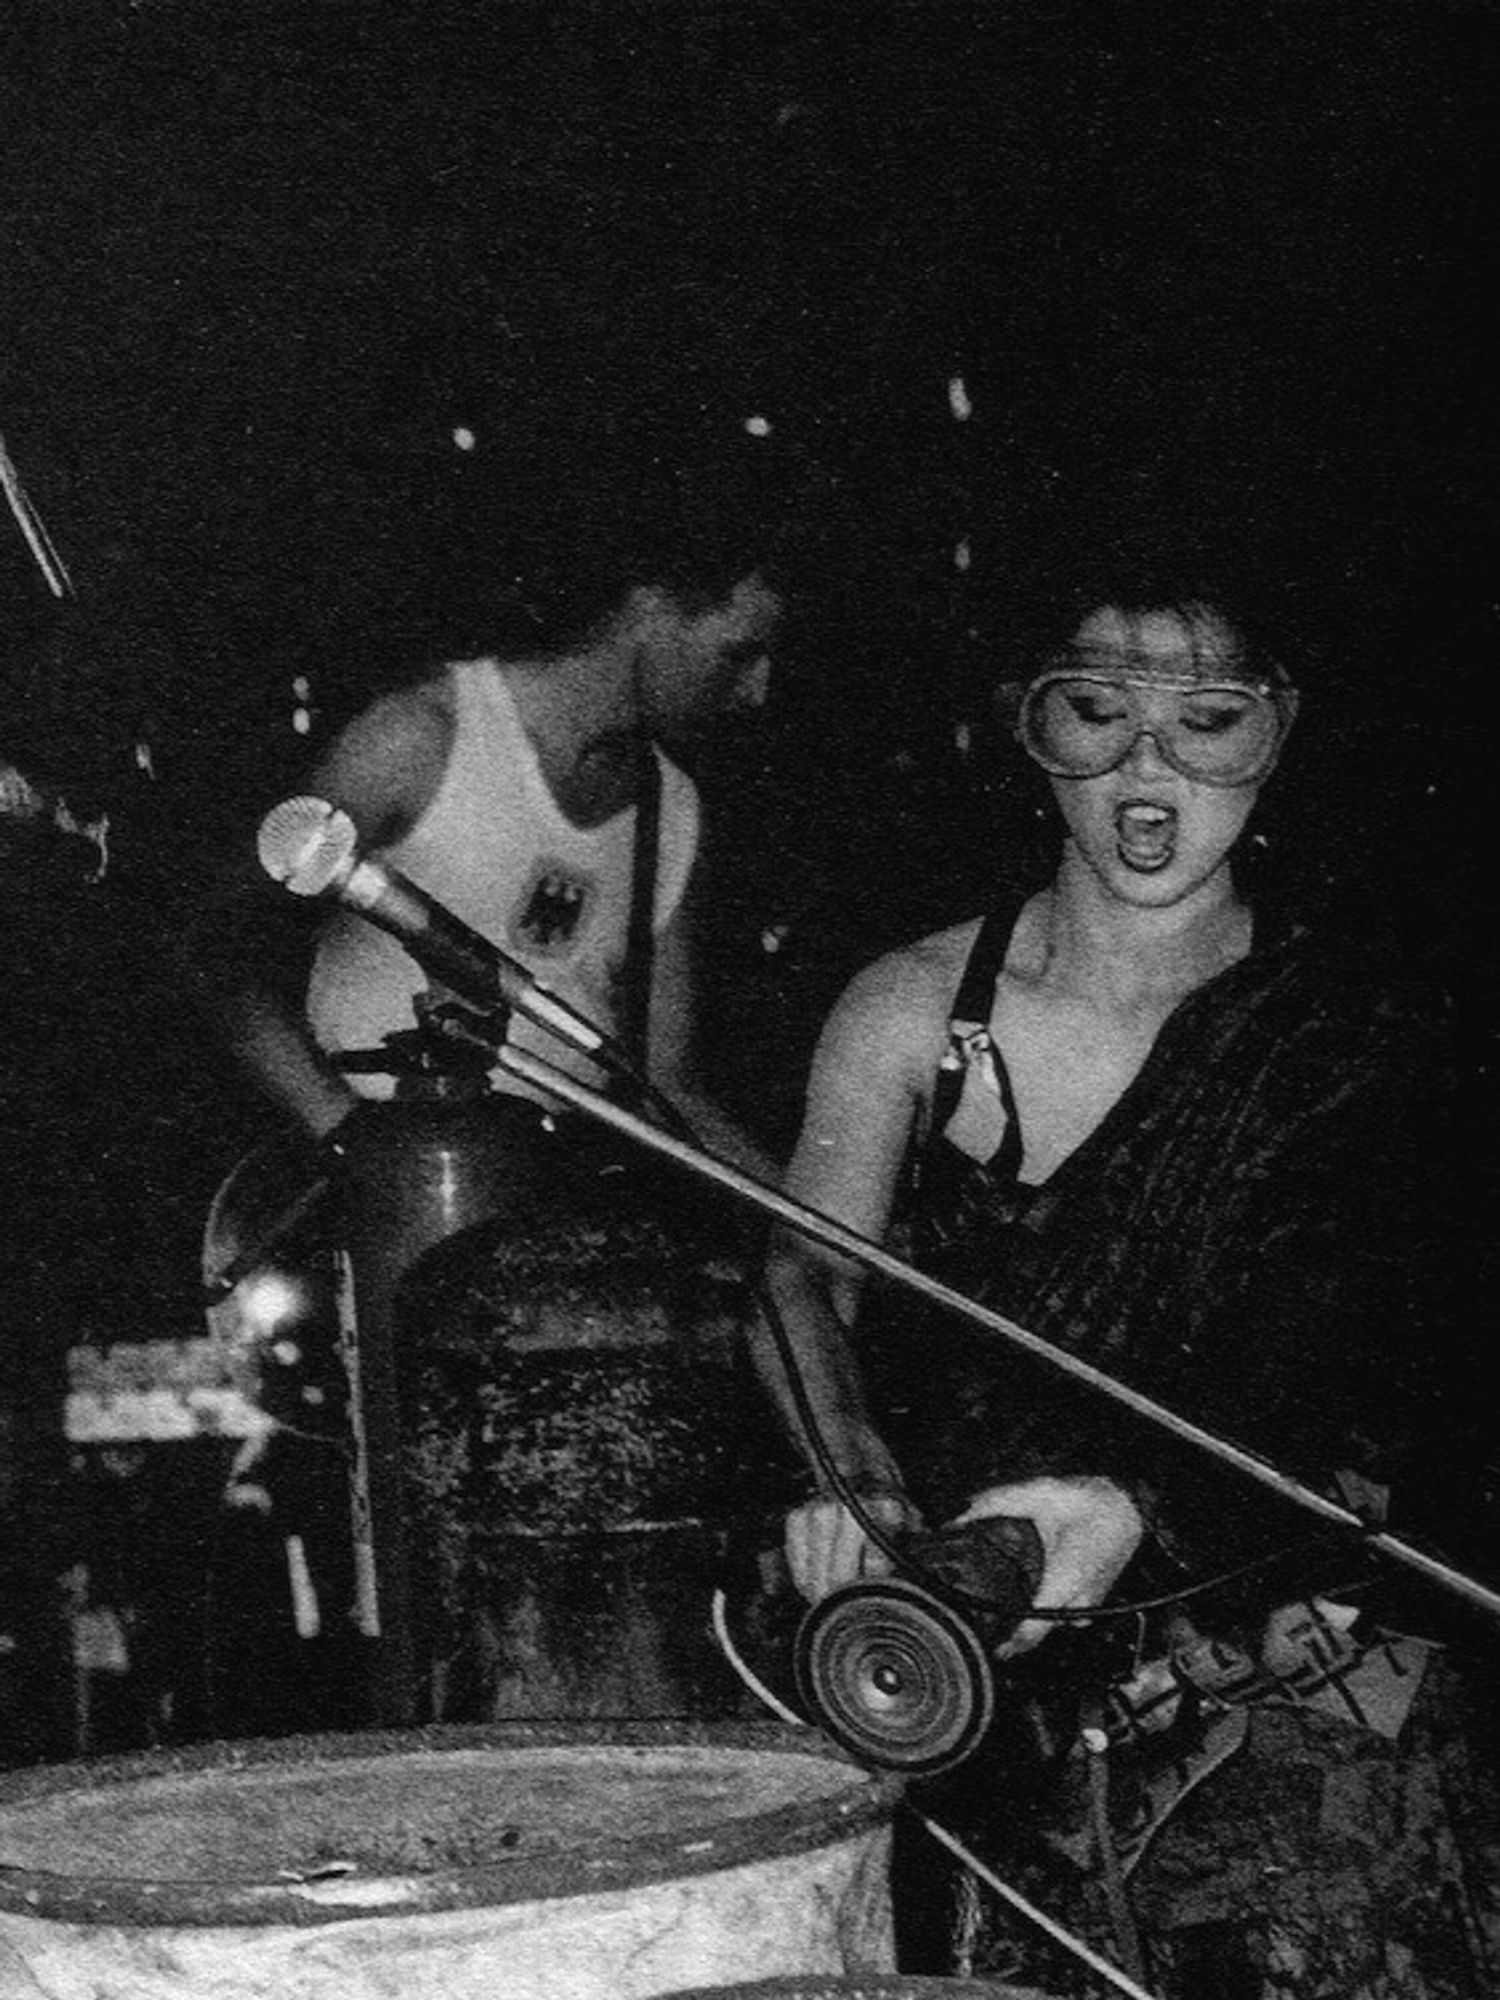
(1081,724)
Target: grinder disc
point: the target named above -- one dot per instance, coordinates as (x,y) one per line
(896,1678)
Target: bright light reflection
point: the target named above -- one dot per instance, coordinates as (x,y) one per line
(270,1301)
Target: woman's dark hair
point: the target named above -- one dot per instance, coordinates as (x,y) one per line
(1041,634)
(1163,528)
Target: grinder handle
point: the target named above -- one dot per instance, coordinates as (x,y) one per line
(990,1568)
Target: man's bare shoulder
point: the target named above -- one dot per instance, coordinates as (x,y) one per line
(385,766)
(406,716)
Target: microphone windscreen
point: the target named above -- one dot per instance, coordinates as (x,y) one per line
(307,844)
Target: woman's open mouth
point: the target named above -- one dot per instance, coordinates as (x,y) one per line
(1146,834)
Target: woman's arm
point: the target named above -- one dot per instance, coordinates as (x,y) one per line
(869,1078)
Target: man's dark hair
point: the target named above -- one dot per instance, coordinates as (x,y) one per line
(527,501)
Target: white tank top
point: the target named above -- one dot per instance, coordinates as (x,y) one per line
(496,850)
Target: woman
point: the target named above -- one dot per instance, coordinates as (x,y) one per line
(1187,1134)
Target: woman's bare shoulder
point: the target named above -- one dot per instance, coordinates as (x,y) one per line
(900,1002)
(929,966)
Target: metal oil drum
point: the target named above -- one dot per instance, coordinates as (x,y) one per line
(587,1454)
(531,1861)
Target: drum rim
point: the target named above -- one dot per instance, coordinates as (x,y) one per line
(590,1868)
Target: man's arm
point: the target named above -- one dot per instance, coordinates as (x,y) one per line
(383,770)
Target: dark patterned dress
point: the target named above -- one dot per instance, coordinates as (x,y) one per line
(1256,1236)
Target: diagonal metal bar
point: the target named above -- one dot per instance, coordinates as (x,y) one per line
(33,528)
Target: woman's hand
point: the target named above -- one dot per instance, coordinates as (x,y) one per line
(1089,1529)
(826,1546)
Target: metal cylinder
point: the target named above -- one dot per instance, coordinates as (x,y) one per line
(589,1453)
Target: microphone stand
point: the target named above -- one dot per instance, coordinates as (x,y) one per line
(980,1319)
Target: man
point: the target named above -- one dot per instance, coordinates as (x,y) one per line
(598,605)
(611,609)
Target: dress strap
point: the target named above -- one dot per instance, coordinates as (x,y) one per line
(975,998)
(971,1057)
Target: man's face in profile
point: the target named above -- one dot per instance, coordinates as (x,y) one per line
(714,661)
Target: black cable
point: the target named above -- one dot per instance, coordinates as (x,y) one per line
(624,1067)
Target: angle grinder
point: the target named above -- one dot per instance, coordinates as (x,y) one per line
(899,1670)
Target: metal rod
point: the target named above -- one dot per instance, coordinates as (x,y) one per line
(1114,1974)
(33,528)
(769,1201)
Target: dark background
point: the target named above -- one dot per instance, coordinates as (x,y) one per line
(1228,265)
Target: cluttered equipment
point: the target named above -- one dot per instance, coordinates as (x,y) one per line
(497,1343)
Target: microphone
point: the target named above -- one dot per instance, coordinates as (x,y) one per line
(312,848)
